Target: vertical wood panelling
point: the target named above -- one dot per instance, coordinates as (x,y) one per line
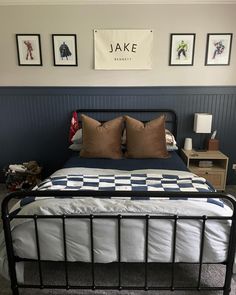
(34,122)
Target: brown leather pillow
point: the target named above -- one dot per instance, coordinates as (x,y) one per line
(101,140)
(146,140)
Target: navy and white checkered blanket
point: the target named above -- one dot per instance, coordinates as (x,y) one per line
(127,182)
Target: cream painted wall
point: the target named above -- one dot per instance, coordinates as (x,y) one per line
(82,19)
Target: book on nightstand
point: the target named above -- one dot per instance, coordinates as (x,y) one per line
(205,164)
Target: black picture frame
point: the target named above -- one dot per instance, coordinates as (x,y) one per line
(182,47)
(218,49)
(29,50)
(64,49)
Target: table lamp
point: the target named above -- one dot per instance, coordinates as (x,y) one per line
(202,124)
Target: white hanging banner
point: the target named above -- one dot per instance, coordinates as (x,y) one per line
(123,49)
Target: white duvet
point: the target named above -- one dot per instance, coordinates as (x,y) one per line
(132,231)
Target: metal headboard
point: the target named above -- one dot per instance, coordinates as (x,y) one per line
(140,114)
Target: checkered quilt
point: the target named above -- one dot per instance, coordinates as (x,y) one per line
(126,182)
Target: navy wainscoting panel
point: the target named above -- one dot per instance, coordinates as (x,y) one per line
(34,121)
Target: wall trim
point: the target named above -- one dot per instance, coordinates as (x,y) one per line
(111,2)
(112,90)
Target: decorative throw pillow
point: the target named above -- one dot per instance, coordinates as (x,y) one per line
(101,140)
(171,143)
(74,126)
(146,140)
(170,139)
(76,140)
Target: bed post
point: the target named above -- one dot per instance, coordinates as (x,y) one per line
(231,253)
(9,246)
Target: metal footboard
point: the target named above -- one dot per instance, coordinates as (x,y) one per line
(13,259)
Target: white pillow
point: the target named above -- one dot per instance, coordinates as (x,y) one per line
(171,148)
(170,139)
(77,138)
(75,147)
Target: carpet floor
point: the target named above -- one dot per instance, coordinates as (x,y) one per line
(158,275)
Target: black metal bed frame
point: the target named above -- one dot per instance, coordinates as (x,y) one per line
(13,259)
(7,218)
(171,117)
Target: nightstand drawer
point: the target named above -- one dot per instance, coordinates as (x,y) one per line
(216,178)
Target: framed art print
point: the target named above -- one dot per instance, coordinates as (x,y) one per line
(218,49)
(64,50)
(182,49)
(29,49)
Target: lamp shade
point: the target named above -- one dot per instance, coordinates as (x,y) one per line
(202,122)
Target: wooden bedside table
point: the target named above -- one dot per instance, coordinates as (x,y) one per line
(216,174)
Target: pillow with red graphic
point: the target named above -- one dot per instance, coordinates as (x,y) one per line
(74,126)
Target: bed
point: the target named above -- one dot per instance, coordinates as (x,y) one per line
(102,211)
